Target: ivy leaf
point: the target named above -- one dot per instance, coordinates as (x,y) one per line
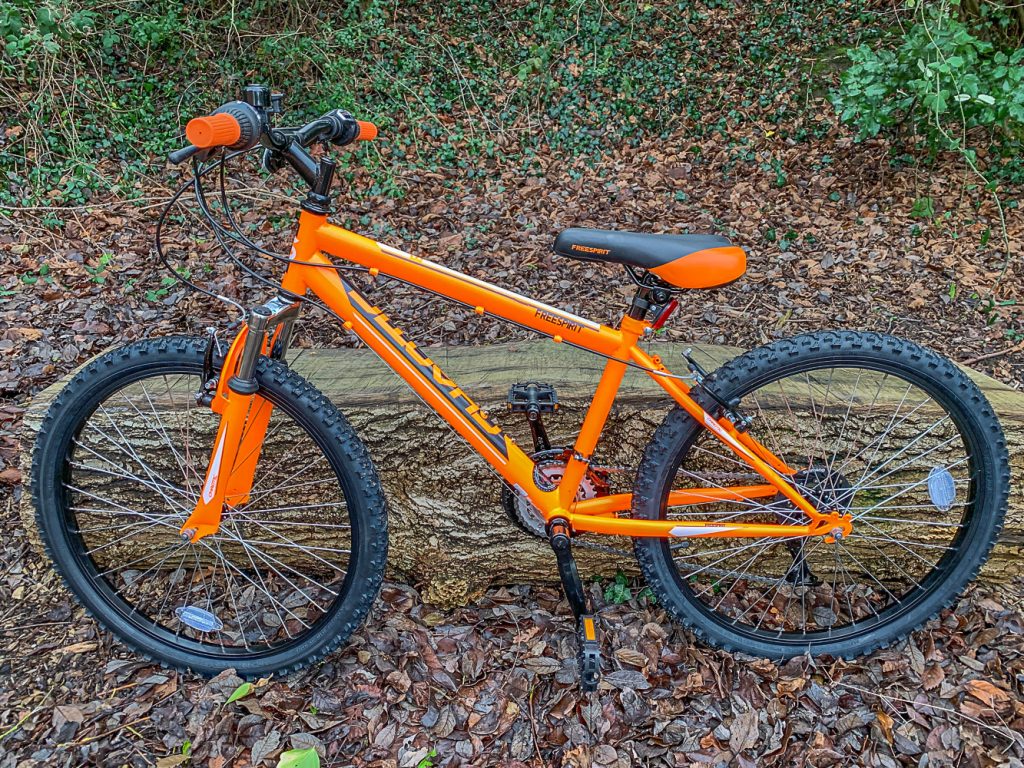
(299,758)
(240,692)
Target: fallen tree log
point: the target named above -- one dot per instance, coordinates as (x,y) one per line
(449,534)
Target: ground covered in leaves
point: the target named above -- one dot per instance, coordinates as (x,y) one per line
(495,684)
(838,236)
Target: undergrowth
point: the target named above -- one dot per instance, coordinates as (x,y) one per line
(94,93)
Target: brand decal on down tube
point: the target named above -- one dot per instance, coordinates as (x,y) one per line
(431,372)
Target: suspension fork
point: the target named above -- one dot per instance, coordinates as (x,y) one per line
(244,415)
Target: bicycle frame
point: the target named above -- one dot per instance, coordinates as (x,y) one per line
(244,416)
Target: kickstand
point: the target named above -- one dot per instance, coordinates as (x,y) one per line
(588,654)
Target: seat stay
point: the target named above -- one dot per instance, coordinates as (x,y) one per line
(743,445)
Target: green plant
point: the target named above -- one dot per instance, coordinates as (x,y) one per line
(101,94)
(936,83)
(618,591)
(97,272)
(299,758)
(923,208)
(240,692)
(34,276)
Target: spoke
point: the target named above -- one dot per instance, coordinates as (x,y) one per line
(292,476)
(168,592)
(230,583)
(291,523)
(907,488)
(153,476)
(795,420)
(746,567)
(112,502)
(280,488)
(885,433)
(846,419)
(860,429)
(270,560)
(129,535)
(289,541)
(867,571)
(159,426)
(872,473)
(905,521)
(920,544)
(247,512)
(892,561)
(265,589)
(136,478)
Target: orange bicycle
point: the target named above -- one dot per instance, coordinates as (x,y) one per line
(823,494)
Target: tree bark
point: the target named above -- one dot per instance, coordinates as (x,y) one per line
(449,534)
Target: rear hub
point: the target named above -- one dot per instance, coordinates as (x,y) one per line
(830,492)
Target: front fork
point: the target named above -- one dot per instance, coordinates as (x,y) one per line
(244,415)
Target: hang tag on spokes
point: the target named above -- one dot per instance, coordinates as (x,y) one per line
(198,619)
(941,488)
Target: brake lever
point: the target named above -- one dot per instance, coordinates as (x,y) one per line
(179,156)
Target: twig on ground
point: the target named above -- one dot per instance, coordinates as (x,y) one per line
(999,353)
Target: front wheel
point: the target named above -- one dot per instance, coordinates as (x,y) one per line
(879,428)
(292,571)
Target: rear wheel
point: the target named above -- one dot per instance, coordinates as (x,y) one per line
(877,427)
(120,460)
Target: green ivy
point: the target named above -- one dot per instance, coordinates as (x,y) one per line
(102,94)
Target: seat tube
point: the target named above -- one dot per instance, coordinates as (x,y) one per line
(590,432)
(630,330)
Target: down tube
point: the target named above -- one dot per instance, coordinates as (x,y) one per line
(425,377)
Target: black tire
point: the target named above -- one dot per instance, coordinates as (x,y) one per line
(988,479)
(298,401)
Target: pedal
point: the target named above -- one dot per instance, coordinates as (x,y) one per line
(533,399)
(588,653)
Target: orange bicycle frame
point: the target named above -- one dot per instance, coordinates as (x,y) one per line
(244,417)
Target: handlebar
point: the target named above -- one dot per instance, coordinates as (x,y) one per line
(243,125)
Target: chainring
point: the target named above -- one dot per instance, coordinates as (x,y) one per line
(550,467)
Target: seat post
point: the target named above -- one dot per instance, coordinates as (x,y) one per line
(645,298)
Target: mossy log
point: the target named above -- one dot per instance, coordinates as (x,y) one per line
(449,534)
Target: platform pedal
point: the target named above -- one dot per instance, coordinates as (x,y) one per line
(588,652)
(533,399)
